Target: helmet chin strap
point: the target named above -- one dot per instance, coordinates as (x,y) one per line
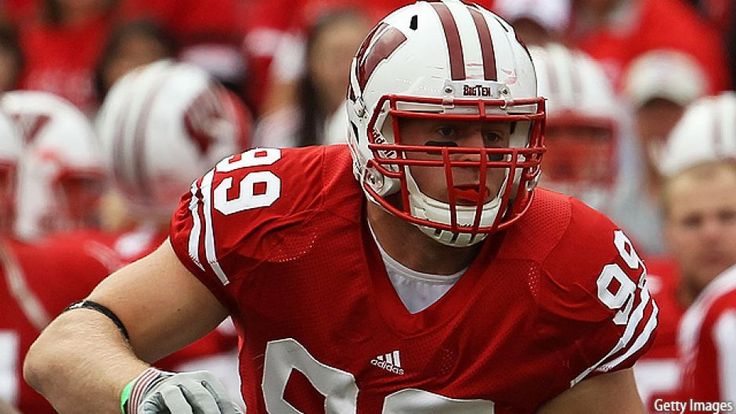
(437,211)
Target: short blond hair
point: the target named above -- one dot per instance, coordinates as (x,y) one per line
(700,172)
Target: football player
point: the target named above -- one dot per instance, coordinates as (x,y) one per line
(700,210)
(439,281)
(61,176)
(31,289)
(590,150)
(582,125)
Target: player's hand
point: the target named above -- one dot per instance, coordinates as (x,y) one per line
(161,392)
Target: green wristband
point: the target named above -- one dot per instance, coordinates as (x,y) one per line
(125,396)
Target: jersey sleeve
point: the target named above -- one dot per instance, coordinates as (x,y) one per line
(596,282)
(720,324)
(235,216)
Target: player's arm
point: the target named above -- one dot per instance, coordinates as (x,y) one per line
(613,393)
(81,362)
(6,408)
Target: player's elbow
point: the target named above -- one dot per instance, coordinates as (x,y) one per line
(39,362)
(35,365)
(46,357)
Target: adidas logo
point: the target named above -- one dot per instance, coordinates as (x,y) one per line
(391,362)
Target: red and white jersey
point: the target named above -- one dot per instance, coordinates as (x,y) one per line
(36,283)
(280,237)
(658,370)
(708,342)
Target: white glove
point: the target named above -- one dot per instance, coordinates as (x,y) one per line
(161,392)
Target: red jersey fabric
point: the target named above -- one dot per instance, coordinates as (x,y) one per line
(36,283)
(658,371)
(659,24)
(61,59)
(20,11)
(280,237)
(708,343)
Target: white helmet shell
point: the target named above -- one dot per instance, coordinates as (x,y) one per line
(60,145)
(574,85)
(162,126)
(706,132)
(444,60)
(579,95)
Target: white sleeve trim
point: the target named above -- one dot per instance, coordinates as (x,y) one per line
(724,338)
(209,236)
(631,326)
(195,234)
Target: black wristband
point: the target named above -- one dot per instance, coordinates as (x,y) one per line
(88,304)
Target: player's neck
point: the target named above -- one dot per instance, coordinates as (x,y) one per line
(406,244)
(686,293)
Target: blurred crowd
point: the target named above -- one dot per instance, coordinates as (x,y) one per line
(110,108)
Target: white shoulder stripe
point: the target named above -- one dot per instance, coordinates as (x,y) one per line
(195,234)
(209,236)
(639,343)
(631,326)
(724,338)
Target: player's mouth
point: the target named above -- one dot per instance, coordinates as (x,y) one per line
(470,194)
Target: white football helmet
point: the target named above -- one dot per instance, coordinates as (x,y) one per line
(11,145)
(706,132)
(444,60)
(162,126)
(582,124)
(61,173)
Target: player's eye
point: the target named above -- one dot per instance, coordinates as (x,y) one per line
(492,138)
(446,131)
(692,221)
(727,216)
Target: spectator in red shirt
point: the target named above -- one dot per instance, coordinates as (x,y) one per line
(62,48)
(617,31)
(129,46)
(268,23)
(11,60)
(305,102)
(209,33)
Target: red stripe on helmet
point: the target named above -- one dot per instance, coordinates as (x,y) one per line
(360,56)
(387,42)
(486,45)
(140,171)
(452,35)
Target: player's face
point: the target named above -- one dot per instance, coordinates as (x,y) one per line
(81,196)
(577,154)
(701,225)
(654,121)
(432,181)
